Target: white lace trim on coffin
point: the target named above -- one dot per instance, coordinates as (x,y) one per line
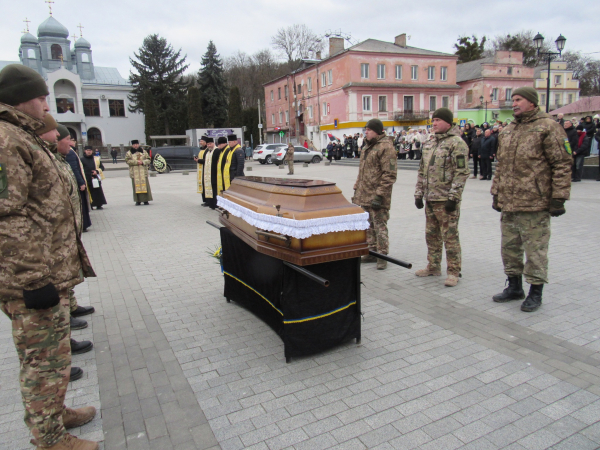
(299,229)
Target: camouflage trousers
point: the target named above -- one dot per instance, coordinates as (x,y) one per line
(377,234)
(441,229)
(72,300)
(290,167)
(526,233)
(42,342)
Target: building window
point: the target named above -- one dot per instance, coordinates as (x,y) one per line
(64,105)
(495,94)
(91,107)
(414,72)
(470,96)
(432,103)
(364,70)
(508,94)
(310,112)
(570,98)
(272,95)
(509,71)
(443,73)
(287,117)
(285,91)
(398,72)
(280,118)
(431,73)
(56,51)
(278,93)
(31,53)
(116,108)
(557,79)
(324,108)
(272,119)
(366,103)
(85,58)
(330,77)
(299,89)
(383,103)
(557,100)
(94,137)
(543,99)
(408,103)
(381,71)
(309,84)
(323,79)
(445,101)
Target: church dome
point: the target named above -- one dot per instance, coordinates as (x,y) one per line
(28,38)
(82,43)
(52,28)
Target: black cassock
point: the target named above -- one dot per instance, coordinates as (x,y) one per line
(97,194)
(214,167)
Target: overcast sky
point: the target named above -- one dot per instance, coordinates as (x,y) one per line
(116,29)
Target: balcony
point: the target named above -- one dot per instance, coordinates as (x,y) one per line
(411,115)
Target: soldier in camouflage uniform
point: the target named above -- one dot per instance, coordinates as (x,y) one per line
(440,182)
(373,187)
(42,257)
(532,183)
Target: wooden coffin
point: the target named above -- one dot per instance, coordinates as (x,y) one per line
(300,200)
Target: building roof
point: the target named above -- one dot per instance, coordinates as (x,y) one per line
(583,105)
(400,85)
(374,45)
(52,28)
(472,70)
(82,43)
(107,75)
(28,38)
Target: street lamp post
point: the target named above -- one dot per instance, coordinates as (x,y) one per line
(486,103)
(538,41)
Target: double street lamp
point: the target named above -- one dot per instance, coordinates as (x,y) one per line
(486,103)
(538,41)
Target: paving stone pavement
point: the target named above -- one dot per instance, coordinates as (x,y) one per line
(175,366)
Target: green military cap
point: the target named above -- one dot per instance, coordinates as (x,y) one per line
(527,92)
(19,84)
(444,114)
(63,132)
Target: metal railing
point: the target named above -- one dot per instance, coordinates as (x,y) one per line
(411,115)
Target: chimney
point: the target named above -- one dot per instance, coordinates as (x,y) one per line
(400,41)
(319,55)
(336,45)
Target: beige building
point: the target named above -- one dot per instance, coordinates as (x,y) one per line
(564,90)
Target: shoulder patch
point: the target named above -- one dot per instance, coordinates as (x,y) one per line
(568,146)
(3,181)
(393,164)
(460,161)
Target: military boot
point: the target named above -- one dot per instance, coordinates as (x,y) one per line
(76,373)
(79,347)
(82,311)
(69,442)
(534,299)
(368,259)
(428,272)
(514,291)
(78,324)
(381,264)
(73,418)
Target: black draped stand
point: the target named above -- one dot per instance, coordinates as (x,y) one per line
(308,317)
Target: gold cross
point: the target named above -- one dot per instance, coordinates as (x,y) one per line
(74,37)
(50,2)
(27,22)
(80,28)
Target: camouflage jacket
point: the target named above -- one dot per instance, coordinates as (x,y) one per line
(377,172)
(38,238)
(534,164)
(131,160)
(444,170)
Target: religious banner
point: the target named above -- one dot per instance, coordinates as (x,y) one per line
(139,177)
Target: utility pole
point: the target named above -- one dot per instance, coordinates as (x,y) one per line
(260,128)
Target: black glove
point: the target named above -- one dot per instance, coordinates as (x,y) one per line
(419,203)
(450,206)
(495,204)
(43,298)
(557,207)
(376,202)
(200,161)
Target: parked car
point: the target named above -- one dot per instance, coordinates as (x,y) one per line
(177,157)
(301,154)
(263,152)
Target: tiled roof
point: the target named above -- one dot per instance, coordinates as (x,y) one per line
(583,105)
(471,70)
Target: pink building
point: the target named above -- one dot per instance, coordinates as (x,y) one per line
(493,78)
(398,84)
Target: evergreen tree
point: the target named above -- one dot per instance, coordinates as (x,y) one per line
(159,69)
(250,118)
(195,117)
(212,88)
(469,49)
(235,108)
(152,127)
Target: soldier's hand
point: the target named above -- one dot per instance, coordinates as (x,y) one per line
(419,203)
(450,206)
(82,187)
(495,204)
(43,298)
(376,202)
(557,207)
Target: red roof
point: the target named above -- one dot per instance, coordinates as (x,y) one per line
(583,105)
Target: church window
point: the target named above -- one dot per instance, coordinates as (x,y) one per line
(85,58)
(94,137)
(64,105)
(31,53)
(56,51)
(91,107)
(116,108)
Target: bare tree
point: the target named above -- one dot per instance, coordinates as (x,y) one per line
(522,42)
(296,42)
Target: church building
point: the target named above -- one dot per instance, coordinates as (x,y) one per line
(90,100)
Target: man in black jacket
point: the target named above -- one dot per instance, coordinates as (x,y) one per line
(573,142)
(238,159)
(474,151)
(487,152)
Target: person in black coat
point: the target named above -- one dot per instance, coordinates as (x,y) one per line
(474,150)
(75,164)
(91,173)
(113,154)
(584,150)
(487,154)
(238,159)
(573,137)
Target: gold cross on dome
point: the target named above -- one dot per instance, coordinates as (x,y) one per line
(80,29)
(50,2)
(27,22)
(74,37)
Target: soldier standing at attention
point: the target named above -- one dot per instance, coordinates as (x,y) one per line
(289,158)
(138,161)
(532,183)
(373,187)
(442,176)
(42,257)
